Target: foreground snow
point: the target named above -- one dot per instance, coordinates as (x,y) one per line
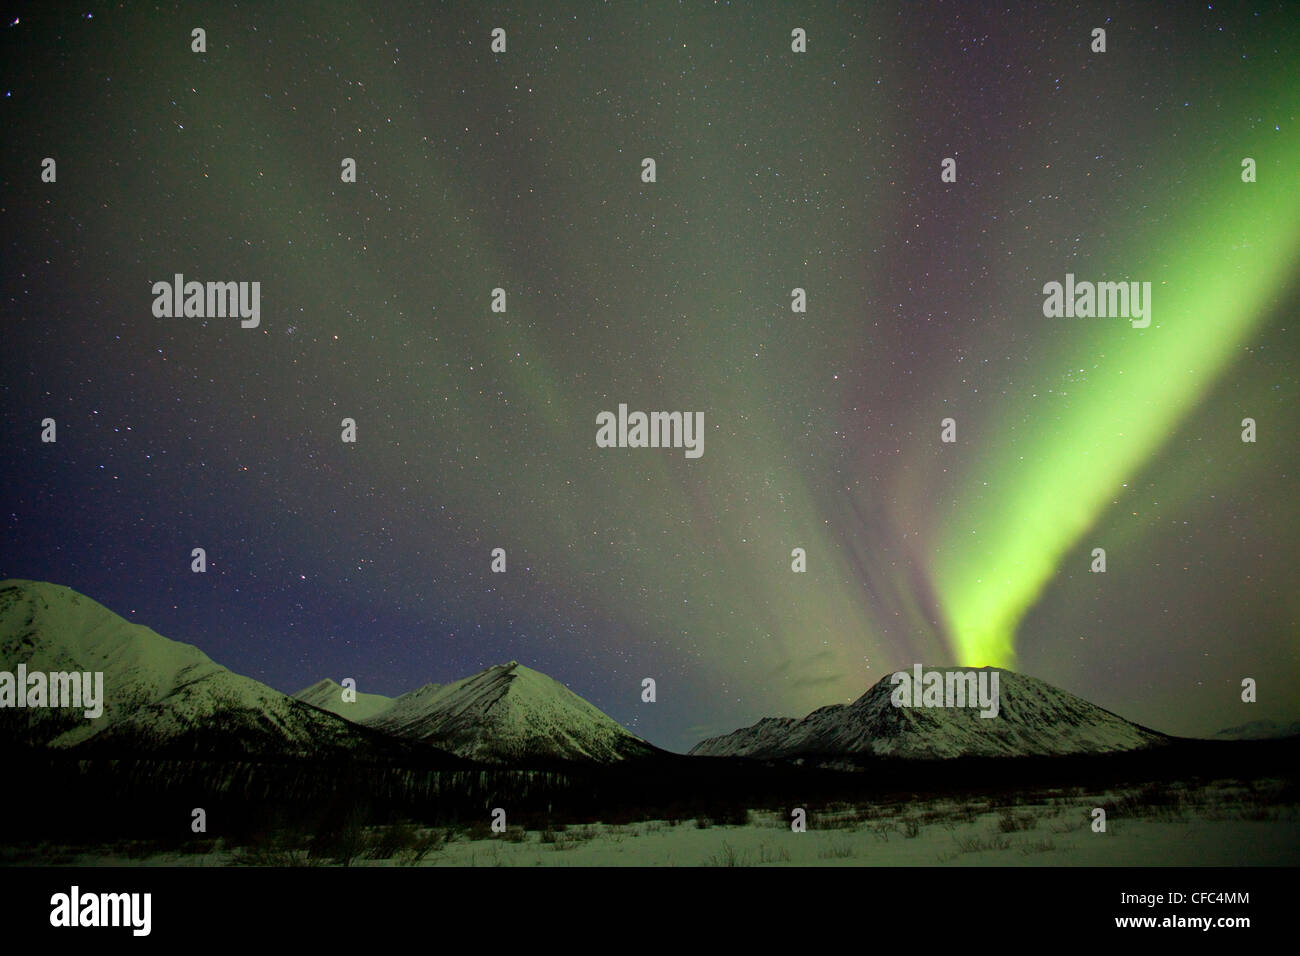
(1223,825)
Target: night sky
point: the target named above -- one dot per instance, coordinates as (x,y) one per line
(775,170)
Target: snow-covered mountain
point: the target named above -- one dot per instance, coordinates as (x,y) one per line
(328,695)
(1034,718)
(158,694)
(505,714)
(1260,730)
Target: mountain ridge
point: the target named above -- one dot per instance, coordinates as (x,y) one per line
(504,713)
(162,695)
(1035,719)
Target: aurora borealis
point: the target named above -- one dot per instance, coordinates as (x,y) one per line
(476,429)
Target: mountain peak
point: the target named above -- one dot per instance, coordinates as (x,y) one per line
(327,694)
(1031,717)
(165,694)
(508,712)
(321,685)
(160,694)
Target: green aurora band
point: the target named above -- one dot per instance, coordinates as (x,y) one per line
(1215,277)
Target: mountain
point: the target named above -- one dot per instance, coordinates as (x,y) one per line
(505,714)
(1260,730)
(328,695)
(1034,718)
(159,694)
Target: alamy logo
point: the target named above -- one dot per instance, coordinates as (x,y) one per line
(947,689)
(103,909)
(56,689)
(1128,300)
(210,300)
(656,430)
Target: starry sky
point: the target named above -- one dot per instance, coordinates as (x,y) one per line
(775,170)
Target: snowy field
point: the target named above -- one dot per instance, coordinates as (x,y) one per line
(1222,824)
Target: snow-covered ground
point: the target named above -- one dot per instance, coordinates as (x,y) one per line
(1219,825)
